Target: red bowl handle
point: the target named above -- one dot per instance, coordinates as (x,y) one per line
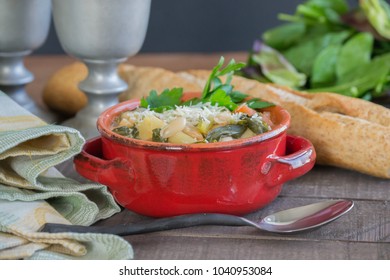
(299,159)
(91,165)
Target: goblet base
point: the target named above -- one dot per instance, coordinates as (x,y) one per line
(102,87)
(13,78)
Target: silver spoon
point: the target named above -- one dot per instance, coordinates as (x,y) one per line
(287,221)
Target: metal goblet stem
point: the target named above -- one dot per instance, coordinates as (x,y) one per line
(102,34)
(24,26)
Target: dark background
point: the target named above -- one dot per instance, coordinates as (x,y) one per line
(203,25)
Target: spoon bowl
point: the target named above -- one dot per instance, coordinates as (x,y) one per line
(286,221)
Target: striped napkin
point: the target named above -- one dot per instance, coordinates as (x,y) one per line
(33,192)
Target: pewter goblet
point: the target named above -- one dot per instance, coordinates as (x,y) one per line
(102,34)
(24,26)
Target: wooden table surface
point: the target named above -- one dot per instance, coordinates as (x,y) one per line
(363,233)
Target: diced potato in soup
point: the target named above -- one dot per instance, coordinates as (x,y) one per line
(147,125)
(181,138)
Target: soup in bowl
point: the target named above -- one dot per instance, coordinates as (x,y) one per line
(228,165)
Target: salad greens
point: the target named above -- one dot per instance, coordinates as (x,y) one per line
(276,68)
(215,91)
(327,46)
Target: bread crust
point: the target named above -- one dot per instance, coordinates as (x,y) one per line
(141,80)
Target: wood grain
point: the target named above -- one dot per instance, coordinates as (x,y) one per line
(155,246)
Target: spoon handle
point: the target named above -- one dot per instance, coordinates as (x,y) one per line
(161,224)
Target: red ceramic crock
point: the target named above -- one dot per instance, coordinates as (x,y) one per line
(163,179)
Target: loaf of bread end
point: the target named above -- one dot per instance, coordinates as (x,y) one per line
(61,93)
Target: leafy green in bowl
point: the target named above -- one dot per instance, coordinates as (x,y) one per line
(326,46)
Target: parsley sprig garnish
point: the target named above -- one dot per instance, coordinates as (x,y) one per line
(215,91)
(168,99)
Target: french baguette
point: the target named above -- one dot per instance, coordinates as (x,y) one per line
(346,132)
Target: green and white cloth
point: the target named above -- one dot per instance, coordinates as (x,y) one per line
(33,192)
